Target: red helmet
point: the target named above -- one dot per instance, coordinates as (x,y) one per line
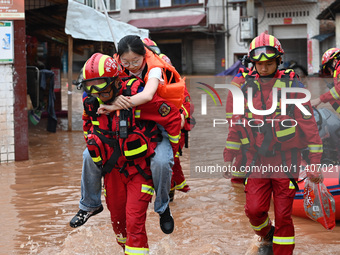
(328,56)
(165,58)
(149,42)
(152,45)
(100,68)
(264,47)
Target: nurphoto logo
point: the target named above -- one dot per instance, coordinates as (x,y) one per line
(204,97)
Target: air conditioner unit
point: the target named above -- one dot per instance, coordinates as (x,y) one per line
(247,28)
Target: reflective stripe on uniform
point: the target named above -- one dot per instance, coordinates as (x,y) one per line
(245,140)
(260,227)
(95,122)
(121,239)
(334,93)
(285,132)
(177,154)
(147,189)
(233,145)
(181,186)
(131,81)
(137,114)
(238,174)
(134,152)
(315,148)
(186,112)
(174,139)
(284,240)
(291,185)
(96,159)
(135,250)
(229,115)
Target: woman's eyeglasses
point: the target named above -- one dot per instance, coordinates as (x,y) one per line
(133,63)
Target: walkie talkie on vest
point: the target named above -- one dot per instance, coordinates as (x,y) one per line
(123,123)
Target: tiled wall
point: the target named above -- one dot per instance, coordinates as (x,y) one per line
(6,113)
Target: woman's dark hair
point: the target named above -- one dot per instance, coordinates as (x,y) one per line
(131,43)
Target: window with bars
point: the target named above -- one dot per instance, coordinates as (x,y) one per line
(184,2)
(140,4)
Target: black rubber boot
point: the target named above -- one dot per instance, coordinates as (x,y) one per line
(266,245)
(166,221)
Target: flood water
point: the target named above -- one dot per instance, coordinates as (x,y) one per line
(41,195)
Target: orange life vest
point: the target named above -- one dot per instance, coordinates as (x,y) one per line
(173,88)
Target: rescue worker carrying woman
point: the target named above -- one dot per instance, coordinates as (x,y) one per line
(121,147)
(161,79)
(273,145)
(147,67)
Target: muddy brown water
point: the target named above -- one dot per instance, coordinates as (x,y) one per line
(39,197)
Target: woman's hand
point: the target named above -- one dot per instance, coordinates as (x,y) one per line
(121,102)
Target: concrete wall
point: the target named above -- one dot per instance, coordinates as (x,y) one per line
(297,15)
(6,113)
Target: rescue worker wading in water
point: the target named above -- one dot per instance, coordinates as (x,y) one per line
(121,148)
(269,145)
(151,106)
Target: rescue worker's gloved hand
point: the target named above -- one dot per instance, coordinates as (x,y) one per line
(91,105)
(315,175)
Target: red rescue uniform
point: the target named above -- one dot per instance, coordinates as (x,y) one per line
(275,146)
(333,95)
(129,192)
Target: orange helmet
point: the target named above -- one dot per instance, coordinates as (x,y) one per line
(102,69)
(264,47)
(329,54)
(152,45)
